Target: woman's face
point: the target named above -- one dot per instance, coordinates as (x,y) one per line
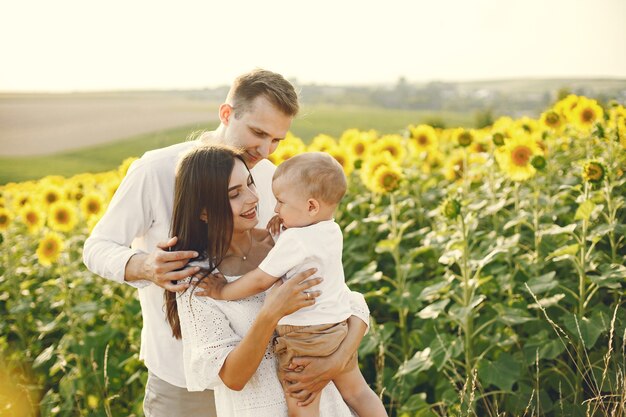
(243,198)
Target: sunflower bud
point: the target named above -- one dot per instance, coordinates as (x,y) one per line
(498,139)
(594,172)
(538,162)
(465,138)
(451,208)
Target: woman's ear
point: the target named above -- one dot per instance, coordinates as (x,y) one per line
(313,206)
(225,112)
(203,216)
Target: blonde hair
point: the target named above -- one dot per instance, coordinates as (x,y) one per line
(259,82)
(317,174)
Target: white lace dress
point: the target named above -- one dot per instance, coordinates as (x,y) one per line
(211,329)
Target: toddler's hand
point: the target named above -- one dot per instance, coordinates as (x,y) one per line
(274,226)
(211,286)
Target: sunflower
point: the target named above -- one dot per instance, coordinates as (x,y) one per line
(462,163)
(450,208)
(423,138)
(33,219)
(594,172)
(497,138)
(515,157)
(566,106)
(551,120)
(527,124)
(391,144)
(386,179)
(463,137)
(125,165)
(371,165)
(62,216)
(51,194)
(586,114)
(92,204)
(344,158)
(321,143)
(5,218)
(49,249)
(504,125)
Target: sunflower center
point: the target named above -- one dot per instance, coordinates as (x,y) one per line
(61,216)
(422,140)
(50,247)
(341,160)
(465,139)
(359,149)
(4,219)
(392,150)
(31,217)
(93,207)
(51,197)
(552,119)
(588,115)
(593,172)
(521,155)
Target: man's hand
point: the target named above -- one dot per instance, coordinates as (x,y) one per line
(211,286)
(274,226)
(162,266)
(310,375)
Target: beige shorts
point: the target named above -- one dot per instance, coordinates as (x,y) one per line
(320,340)
(166,400)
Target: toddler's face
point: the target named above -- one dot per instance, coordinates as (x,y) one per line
(291,206)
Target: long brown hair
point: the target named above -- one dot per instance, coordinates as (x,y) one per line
(202,178)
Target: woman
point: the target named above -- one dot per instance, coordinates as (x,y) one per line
(227,344)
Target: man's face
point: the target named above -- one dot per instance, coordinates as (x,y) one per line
(258,130)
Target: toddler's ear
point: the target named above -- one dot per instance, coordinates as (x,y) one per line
(313,206)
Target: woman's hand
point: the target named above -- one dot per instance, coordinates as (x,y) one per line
(288,297)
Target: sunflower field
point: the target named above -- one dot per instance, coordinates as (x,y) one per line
(493,262)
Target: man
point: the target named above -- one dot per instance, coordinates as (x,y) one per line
(130,245)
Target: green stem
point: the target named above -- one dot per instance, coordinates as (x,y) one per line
(468,325)
(581,297)
(401,278)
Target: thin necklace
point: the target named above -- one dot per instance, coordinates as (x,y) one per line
(245,255)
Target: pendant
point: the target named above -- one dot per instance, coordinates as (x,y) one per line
(244,257)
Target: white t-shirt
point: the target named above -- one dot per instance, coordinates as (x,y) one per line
(138,218)
(318,246)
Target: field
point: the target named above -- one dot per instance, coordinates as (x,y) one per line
(96,153)
(492,260)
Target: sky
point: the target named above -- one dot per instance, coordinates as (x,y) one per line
(91,45)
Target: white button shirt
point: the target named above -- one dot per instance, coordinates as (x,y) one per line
(138,218)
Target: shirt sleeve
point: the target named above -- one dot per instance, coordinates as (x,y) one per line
(107,250)
(359,307)
(207,338)
(285,255)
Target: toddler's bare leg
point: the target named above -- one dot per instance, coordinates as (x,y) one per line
(311,410)
(357,394)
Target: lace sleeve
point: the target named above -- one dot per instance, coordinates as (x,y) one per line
(359,307)
(208,339)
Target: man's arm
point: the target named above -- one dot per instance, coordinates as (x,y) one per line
(107,251)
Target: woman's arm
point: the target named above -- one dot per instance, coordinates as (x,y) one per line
(243,361)
(316,372)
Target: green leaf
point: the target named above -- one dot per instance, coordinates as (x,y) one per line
(450,257)
(512,316)
(544,283)
(432,292)
(564,252)
(44,356)
(590,328)
(432,311)
(445,347)
(547,345)
(420,362)
(612,276)
(548,302)
(460,313)
(584,210)
(387,245)
(502,373)
(557,230)
(365,275)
